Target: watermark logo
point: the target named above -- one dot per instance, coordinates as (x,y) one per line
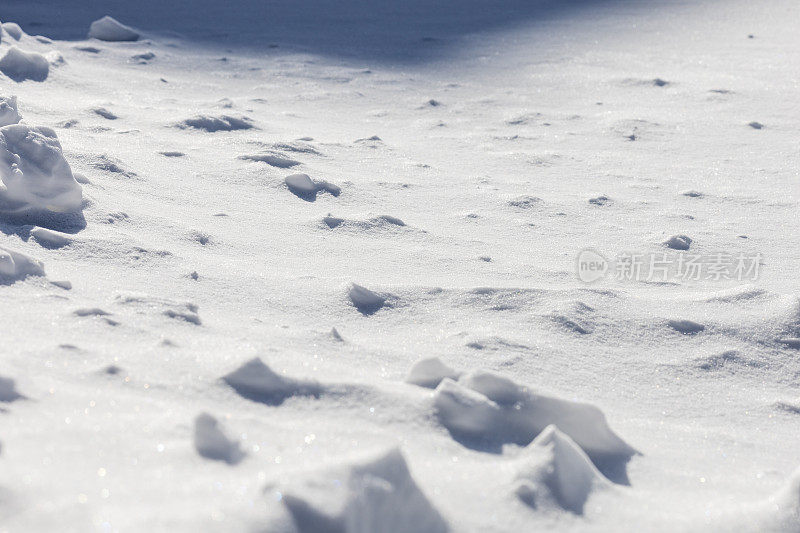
(667,267)
(591,266)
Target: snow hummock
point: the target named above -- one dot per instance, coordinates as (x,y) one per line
(429,372)
(9,114)
(212,443)
(483,409)
(554,467)
(20,65)
(13,30)
(49,238)
(35,176)
(378,494)
(256,381)
(365,300)
(15,266)
(302,186)
(109,29)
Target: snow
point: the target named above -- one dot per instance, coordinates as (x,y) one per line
(257,382)
(15,266)
(36,179)
(484,410)
(9,114)
(109,29)
(377,494)
(212,443)
(554,467)
(406,342)
(20,65)
(429,372)
(366,301)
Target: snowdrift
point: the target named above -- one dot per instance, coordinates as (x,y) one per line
(375,495)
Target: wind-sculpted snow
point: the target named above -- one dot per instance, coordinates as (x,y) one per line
(36,179)
(212,443)
(486,410)
(15,266)
(9,114)
(257,382)
(429,372)
(378,494)
(109,29)
(553,469)
(20,65)
(213,124)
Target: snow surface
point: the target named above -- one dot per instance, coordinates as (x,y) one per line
(405,345)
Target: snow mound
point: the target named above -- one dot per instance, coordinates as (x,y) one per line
(13,30)
(15,266)
(484,409)
(9,114)
(20,66)
(256,381)
(554,468)
(366,301)
(35,176)
(429,372)
(8,391)
(211,443)
(365,497)
(302,186)
(109,29)
(214,124)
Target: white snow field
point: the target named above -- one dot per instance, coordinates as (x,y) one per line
(360,267)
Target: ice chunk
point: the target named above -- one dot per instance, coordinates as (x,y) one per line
(109,29)
(553,467)
(374,495)
(429,372)
(211,442)
(9,114)
(35,176)
(20,66)
(256,381)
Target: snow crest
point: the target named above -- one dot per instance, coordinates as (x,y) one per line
(375,495)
